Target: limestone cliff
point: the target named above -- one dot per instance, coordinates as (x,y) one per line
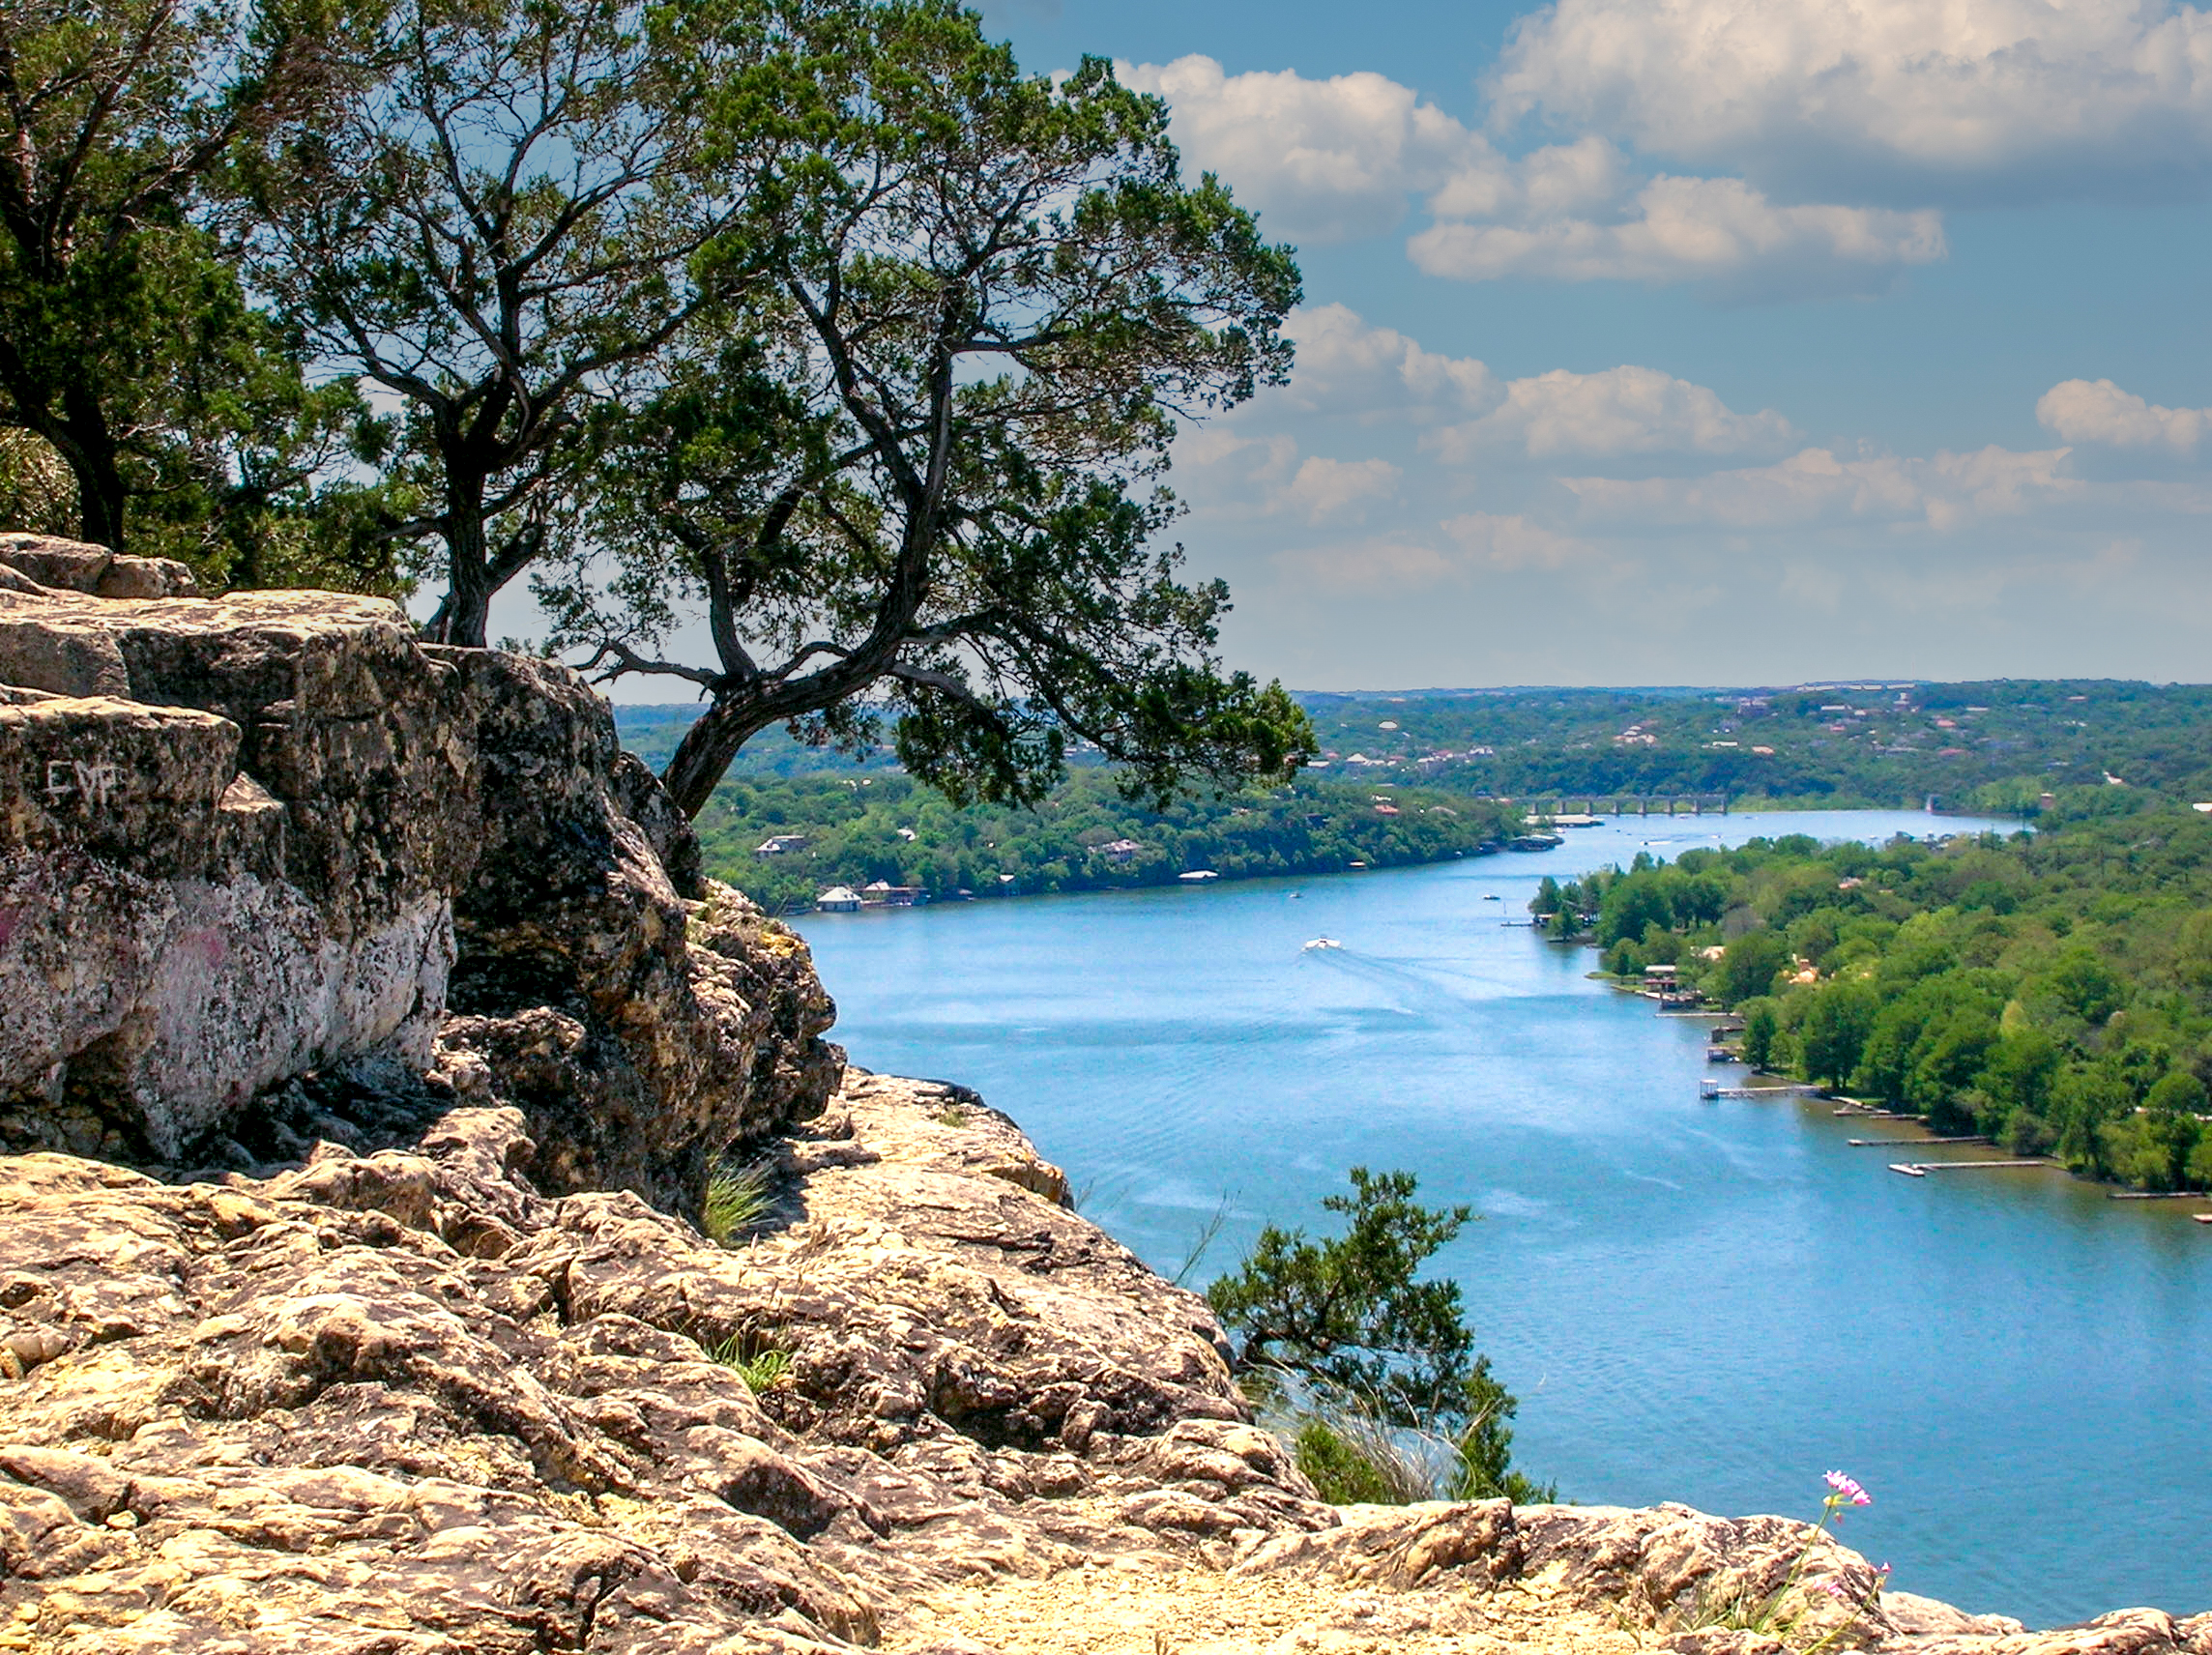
(269,841)
(369,1033)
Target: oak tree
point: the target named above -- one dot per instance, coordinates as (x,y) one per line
(917,476)
(500,228)
(128,353)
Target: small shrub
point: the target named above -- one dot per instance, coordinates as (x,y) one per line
(1340,1471)
(738,1198)
(952,1114)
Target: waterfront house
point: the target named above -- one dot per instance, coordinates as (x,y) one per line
(838,899)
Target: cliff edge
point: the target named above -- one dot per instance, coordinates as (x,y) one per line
(368,1040)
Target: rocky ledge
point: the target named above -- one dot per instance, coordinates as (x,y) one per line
(404,1403)
(266,860)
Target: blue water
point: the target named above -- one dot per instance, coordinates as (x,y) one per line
(1709,1302)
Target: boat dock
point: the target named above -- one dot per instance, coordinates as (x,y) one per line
(2154,1195)
(1921,1169)
(1908,1143)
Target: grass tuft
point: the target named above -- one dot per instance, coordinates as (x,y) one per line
(765,1369)
(738,1198)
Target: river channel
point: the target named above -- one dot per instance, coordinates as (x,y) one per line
(1711,1302)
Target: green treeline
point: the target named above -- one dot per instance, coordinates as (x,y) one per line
(1993,745)
(2053,992)
(1083,836)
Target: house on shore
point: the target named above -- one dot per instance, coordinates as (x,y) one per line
(838,899)
(882,893)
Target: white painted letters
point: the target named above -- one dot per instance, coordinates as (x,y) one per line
(93,783)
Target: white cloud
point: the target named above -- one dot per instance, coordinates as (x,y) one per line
(1509,542)
(1333,160)
(1347,366)
(2004,97)
(1327,488)
(1324,161)
(1814,486)
(2082,411)
(1679,229)
(1622,411)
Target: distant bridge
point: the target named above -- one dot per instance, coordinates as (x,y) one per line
(1566,808)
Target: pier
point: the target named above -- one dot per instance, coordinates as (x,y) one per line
(1908,1143)
(1921,1169)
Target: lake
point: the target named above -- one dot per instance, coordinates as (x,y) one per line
(1711,1302)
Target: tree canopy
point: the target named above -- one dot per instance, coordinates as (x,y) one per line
(815,321)
(505,226)
(916,474)
(129,355)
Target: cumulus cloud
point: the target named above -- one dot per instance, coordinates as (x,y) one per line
(1815,486)
(1324,488)
(2004,98)
(1324,161)
(1679,229)
(1333,160)
(1348,366)
(2085,410)
(1622,411)
(1509,542)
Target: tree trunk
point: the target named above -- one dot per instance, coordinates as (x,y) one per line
(88,448)
(466,613)
(705,753)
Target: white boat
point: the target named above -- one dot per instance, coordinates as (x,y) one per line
(1323,943)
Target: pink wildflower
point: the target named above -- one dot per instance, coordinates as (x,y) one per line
(1848,1490)
(1832,1589)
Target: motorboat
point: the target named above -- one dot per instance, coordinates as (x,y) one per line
(1323,943)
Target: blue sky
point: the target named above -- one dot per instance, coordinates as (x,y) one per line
(1705,340)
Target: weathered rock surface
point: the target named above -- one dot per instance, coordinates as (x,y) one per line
(403,1401)
(249,840)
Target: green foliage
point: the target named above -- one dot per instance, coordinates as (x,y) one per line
(1760,1026)
(128,349)
(1078,838)
(912,481)
(1349,1324)
(502,216)
(1997,748)
(737,1199)
(761,1367)
(2048,990)
(1750,964)
(1349,1467)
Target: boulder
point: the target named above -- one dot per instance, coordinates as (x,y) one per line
(252,840)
